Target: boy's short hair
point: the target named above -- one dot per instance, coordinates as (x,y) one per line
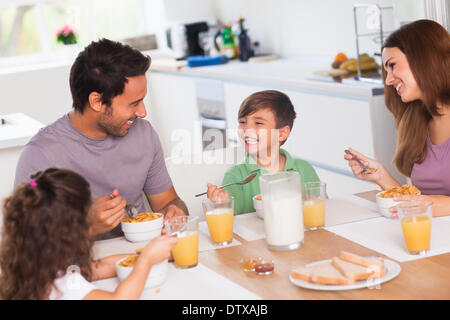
(277,101)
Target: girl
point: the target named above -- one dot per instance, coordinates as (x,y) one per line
(416,73)
(46,235)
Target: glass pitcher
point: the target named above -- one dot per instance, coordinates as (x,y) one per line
(283,217)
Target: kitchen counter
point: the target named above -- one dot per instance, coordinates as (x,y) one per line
(17,130)
(295,73)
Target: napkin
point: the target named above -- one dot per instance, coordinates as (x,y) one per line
(204,239)
(385,236)
(249,226)
(198,283)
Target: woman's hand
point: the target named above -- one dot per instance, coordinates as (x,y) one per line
(381,176)
(441,204)
(216,194)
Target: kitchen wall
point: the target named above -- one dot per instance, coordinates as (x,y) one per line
(299,27)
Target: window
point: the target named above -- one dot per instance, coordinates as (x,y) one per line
(28,27)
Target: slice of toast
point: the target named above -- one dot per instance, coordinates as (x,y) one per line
(352,271)
(326,273)
(372,263)
(302,273)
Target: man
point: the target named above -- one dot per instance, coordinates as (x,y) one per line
(106,140)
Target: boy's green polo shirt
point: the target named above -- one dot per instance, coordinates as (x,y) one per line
(243,194)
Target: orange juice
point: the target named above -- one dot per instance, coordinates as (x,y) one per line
(314,213)
(417,233)
(220,224)
(185,252)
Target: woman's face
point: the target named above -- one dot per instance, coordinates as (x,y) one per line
(399,74)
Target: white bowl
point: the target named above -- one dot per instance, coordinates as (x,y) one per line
(142,231)
(385,203)
(258,205)
(155,278)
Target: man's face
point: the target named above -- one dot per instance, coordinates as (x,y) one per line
(117,119)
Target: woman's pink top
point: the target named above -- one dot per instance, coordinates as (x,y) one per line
(433,175)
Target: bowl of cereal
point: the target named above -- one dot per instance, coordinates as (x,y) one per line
(155,278)
(385,199)
(145,226)
(258,205)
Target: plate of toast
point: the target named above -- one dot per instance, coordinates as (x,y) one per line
(347,271)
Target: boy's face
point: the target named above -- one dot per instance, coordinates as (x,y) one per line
(259,134)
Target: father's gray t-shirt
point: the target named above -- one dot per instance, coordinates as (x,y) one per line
(132,164)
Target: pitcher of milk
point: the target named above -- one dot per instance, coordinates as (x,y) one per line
(283,217)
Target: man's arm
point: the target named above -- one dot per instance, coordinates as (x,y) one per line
(168,203)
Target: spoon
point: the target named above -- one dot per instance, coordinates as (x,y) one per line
(245,181)
(366,169)
(130,210)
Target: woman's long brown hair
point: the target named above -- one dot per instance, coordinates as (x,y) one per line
(45,230)
(426,45)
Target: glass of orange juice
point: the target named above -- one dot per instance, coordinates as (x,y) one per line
(313,196)
(185,252)
(219,218)
(415,218)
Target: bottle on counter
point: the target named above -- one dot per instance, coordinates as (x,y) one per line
(245,46)
(228,45)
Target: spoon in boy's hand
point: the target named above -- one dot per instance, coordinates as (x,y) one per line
(366,169)
(245,181)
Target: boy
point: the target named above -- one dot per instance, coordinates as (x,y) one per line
(265,122)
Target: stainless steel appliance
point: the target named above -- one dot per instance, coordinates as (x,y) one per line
(211,108)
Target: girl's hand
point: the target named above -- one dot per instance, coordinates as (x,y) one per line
(216,194)
(159,249)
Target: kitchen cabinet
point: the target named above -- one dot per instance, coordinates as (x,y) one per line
(173,112)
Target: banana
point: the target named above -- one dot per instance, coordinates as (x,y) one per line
(364,66)
(367,63)
(346,63)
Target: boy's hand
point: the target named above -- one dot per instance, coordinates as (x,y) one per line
(216,194)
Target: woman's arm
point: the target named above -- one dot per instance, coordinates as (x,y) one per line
(381,176)
(441,204)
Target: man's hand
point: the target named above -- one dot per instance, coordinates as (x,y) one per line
(172,210)
(107,212)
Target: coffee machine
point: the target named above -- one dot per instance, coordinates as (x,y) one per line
(183,39)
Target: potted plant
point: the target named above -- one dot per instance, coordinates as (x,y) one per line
(66,35)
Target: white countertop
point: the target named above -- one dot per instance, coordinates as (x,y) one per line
(17,130)
(296,73)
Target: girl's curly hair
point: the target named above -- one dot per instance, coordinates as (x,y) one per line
(45,230)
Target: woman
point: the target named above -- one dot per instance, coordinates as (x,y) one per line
(416,73)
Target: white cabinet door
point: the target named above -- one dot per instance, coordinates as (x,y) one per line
(173,112)
(326,125)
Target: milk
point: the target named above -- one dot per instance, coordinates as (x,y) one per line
(283,220)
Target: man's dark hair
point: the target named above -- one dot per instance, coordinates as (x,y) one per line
(103,67)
